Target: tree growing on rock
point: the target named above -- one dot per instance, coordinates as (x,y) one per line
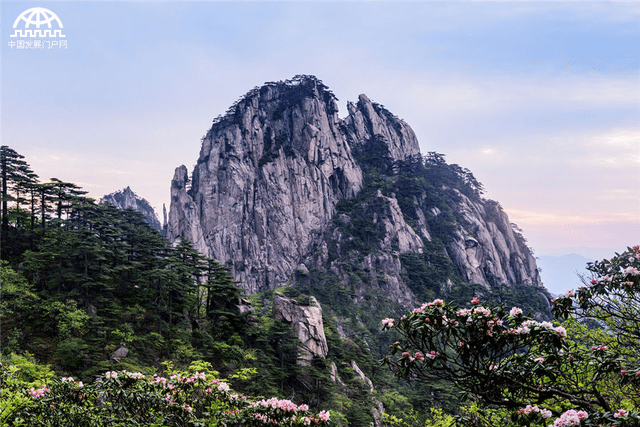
(536,373)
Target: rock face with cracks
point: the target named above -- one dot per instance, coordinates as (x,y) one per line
(127,199)
(306,321)
(271,171)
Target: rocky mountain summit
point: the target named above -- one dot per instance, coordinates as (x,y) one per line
(283,187)
(127,199)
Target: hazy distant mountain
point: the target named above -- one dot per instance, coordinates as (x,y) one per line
(587,252)
(560,273)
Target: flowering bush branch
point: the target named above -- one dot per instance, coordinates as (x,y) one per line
(132,398)
(531,368)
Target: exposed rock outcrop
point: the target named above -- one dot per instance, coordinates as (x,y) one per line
(367,120)
(306,321)
(378,408)
(286,192)
(127,199)
(267,181)
(362,376)
(271,172)
(488,250)
(396,231)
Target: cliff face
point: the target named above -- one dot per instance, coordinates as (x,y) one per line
(267,181)
(127,199)
(367,120)
(264,194)
(306,321)
(489,248)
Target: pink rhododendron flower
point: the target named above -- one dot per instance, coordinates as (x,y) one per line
(39,392)
(570,418)
(561,331)
(484,311)
(620,413)
(388,322)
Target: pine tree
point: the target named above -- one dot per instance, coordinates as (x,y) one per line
(16,176)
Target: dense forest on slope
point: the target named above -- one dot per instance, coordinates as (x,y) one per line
(88,289)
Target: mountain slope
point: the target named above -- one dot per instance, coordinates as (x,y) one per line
(283,185)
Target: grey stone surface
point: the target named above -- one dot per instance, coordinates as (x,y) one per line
(488,250)
(264,190)
(266,183)
(306,321)
(127,199)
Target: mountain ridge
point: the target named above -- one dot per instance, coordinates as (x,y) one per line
(127,199)
(272,171)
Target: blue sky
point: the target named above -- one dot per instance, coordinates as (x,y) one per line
(540,100)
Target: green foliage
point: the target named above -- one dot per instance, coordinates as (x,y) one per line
(83,281)
(134,399)
(97,278)
(523,371)
(15,291)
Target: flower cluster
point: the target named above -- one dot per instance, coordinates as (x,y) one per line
(526,327)
(275,403)
(482,311)
(189,396)
(545,413)
(570,418)
(515,311)
(323,416)
(78,384)
(158,380)
(620,413)
(111,375)
(134,375)
(39,392)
